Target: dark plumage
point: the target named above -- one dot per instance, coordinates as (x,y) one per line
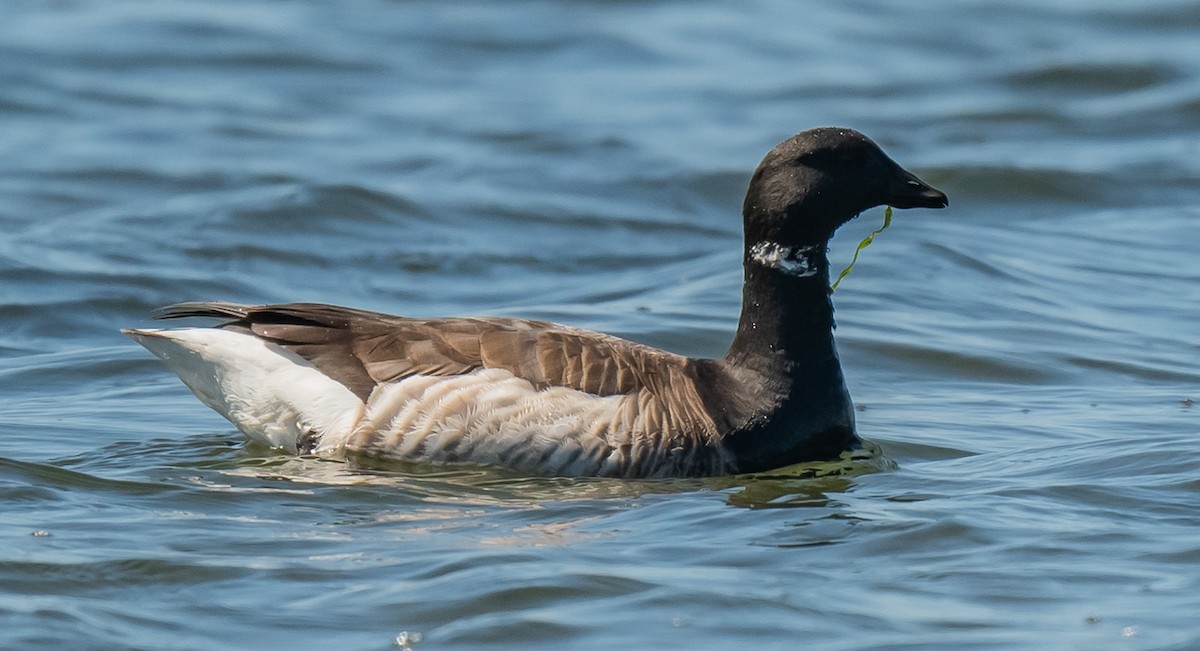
(463,389)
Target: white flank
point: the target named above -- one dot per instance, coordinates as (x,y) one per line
(487,416)
(272,395)
(491,416)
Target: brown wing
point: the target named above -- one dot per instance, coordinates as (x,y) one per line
(363,349)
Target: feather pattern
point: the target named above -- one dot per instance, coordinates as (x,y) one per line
(545,398)
(530,395)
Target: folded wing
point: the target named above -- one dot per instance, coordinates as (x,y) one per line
(363,350)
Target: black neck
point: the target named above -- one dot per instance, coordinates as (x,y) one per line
(787,314)
(785,356)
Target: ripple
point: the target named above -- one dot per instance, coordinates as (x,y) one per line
(1021,360)
(52,477)
(1092,76)
(34,578)
(999,184)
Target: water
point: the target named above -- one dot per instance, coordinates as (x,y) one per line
(1026,360)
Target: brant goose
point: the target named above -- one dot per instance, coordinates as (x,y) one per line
(549,399)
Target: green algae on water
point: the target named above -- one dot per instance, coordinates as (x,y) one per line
(887,221)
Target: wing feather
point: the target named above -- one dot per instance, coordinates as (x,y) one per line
(364,349)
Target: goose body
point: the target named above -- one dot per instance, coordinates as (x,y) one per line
(549,399)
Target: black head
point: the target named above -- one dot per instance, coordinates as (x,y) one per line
(817,180)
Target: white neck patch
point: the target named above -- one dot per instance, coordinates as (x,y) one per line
(796,261)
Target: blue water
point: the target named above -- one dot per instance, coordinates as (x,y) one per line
(1026,362)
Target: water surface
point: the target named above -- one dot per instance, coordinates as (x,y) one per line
(1026,362)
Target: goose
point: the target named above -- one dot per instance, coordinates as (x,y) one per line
(542,398)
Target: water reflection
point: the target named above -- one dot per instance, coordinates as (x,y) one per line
(806,484)
(799,485)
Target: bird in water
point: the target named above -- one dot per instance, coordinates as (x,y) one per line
(549,399)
